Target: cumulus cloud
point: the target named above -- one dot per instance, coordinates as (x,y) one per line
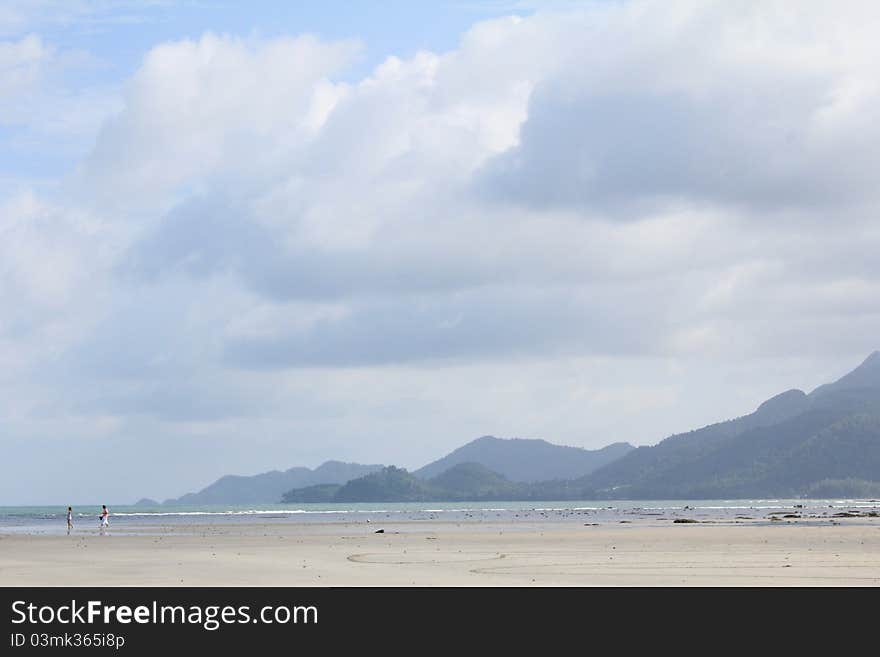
(763,106)
(197,112)
(52,264)
(435,186)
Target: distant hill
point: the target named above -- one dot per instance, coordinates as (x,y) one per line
(474,481)
(524,460)
(387,485)
(793,445)
(461,482)
(311,494)
(268,487)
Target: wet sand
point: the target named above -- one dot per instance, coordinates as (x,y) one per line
(453,554)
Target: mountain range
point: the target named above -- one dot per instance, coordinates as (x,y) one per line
(268,487)
(825,443)
(516,459)
(461,482)
(527,460)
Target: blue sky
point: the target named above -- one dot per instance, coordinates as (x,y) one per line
(260,237)
(119,33)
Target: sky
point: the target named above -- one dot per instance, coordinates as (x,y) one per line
(237,237)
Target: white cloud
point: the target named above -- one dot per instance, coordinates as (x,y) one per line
(764,106)
(200,114)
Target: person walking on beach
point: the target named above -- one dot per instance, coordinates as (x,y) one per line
(105,517)
(69,519)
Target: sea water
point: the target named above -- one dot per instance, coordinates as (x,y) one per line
(140,519)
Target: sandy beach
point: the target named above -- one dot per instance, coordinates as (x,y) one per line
(453,554)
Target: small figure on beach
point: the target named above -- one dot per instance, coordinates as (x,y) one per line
(105,517)
(69,519)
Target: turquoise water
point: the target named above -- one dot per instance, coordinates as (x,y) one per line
(52,519)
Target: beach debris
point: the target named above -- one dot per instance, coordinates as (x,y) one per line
(379,531)
(684,521)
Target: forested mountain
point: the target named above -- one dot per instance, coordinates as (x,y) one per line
(461,482)
(793,445)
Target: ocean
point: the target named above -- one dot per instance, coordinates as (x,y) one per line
(146,519)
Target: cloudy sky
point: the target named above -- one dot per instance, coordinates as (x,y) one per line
(235,240)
